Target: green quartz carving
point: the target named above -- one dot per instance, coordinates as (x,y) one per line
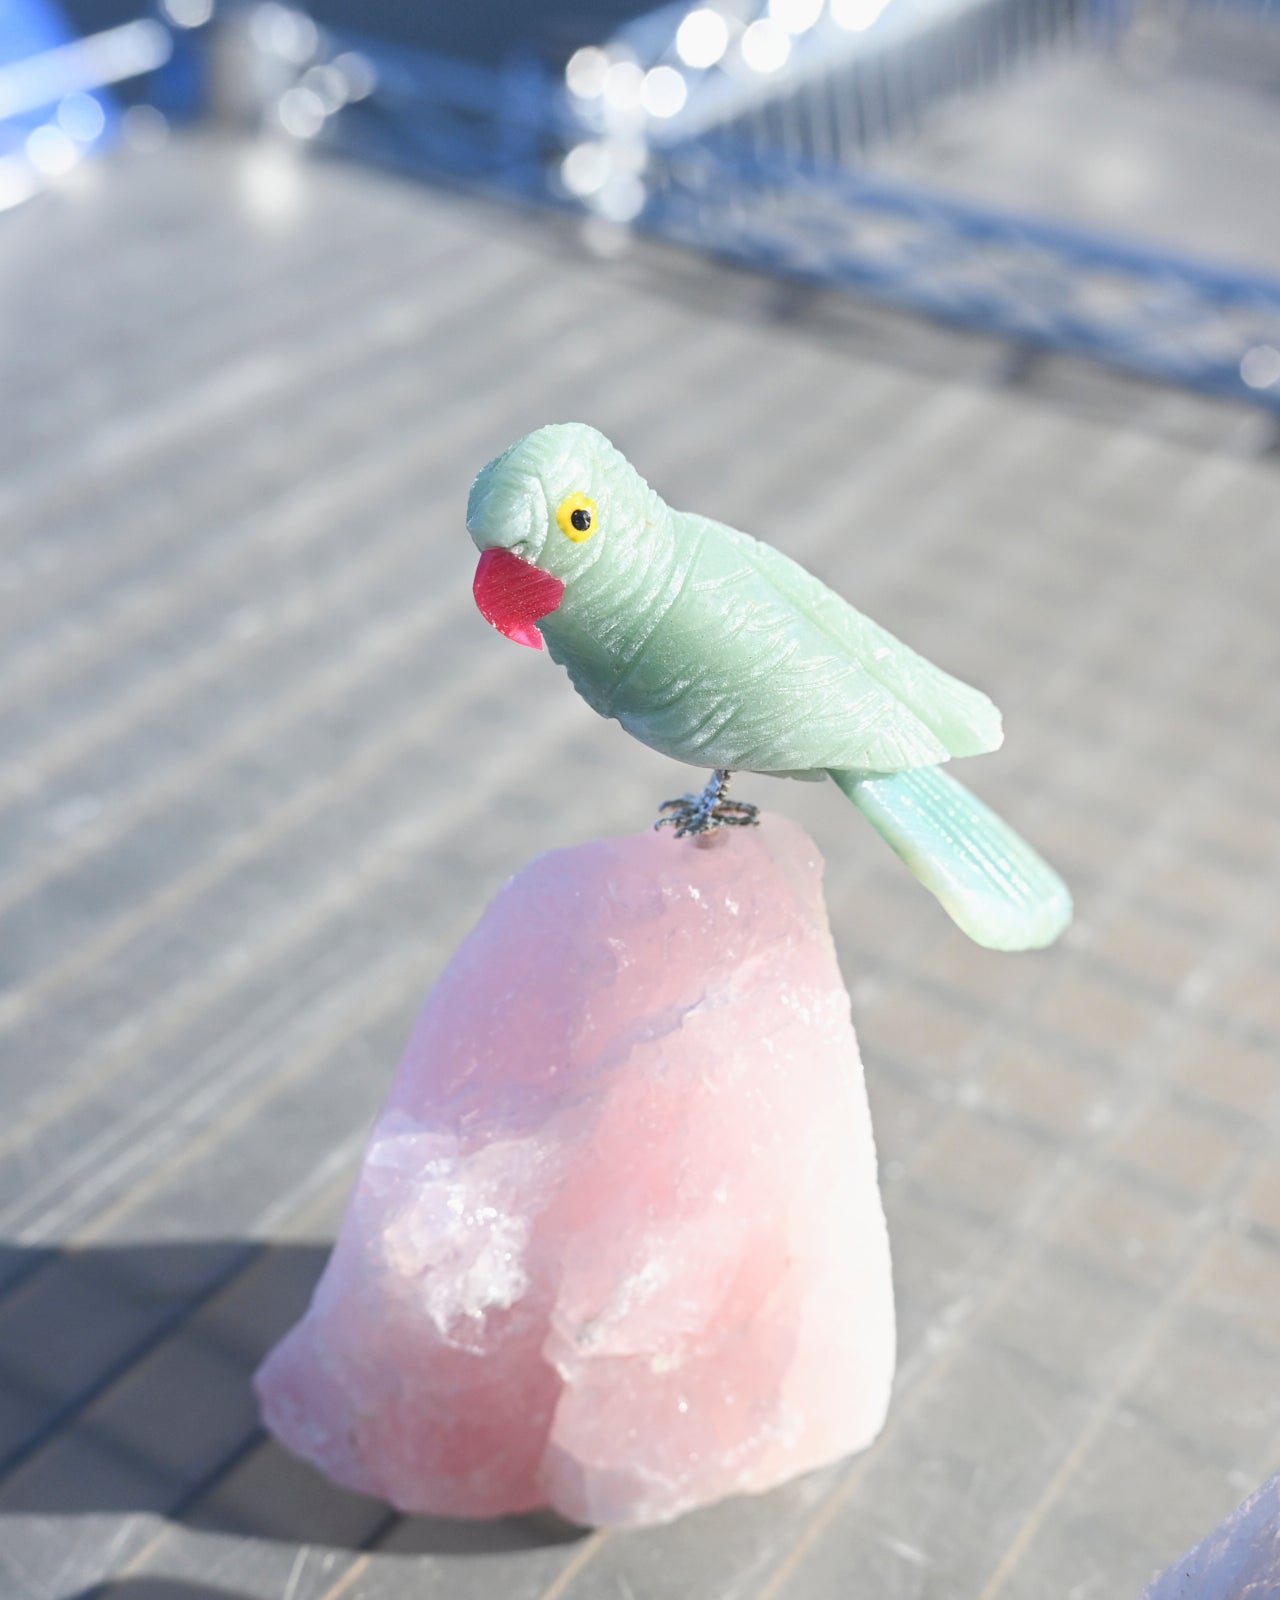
(720,651)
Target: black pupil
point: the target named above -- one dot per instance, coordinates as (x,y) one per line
(581,519)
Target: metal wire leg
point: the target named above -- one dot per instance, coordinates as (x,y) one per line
(703,813)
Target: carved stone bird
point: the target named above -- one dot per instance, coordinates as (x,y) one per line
(720,651)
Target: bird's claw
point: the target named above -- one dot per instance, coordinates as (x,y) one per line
(705,812)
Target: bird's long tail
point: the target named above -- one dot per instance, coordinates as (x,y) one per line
(990,881)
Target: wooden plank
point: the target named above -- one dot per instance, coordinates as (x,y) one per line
(261,766)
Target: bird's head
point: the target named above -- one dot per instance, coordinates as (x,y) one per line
(545,512)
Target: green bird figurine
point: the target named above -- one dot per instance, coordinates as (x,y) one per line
(720,651)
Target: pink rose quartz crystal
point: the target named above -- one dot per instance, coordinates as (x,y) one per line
(617,1243)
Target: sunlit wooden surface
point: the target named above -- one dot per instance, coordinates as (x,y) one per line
(261,764)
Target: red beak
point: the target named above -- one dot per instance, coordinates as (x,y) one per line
(512,594)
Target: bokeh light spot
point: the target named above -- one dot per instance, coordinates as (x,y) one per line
(328,85)
(359,72)
(280,31)
(1260,366)
(187,13)
(301,112)
(623,85)
(664,92)
(586,168)
(702,38)
(81,117)
(51,150)
(145,128)
(622,198)
(766,46)
(586,71)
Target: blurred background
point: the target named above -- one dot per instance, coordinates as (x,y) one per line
(971,305)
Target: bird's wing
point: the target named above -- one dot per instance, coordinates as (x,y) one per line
(741,674)
(962,719)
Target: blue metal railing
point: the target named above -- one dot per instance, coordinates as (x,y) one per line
(1050,285)
(845,86)
(1152,311)
(796,207)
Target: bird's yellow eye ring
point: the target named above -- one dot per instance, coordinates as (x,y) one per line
(576,517)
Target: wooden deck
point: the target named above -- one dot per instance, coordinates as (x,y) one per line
(261,764)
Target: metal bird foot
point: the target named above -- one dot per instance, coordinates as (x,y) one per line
(705,812)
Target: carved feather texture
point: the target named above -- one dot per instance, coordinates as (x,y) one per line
(720,651)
